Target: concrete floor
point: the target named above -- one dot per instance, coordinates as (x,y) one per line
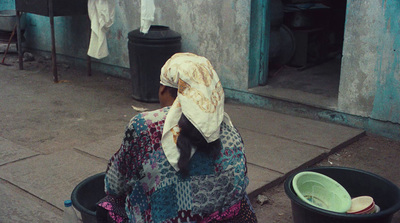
(53,136)
(317,86)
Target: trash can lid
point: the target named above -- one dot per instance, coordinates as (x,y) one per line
(155,33)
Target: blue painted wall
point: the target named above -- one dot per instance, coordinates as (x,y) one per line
(386,105)
(369,91)
(218,30)
(7,4)
(370,75)
(259,44)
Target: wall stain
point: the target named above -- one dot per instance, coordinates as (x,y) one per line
(119,34)
(386,105)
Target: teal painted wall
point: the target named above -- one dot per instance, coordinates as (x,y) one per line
(72,35)
(227,33)
(218,30)
(259,44)
(7,4)
(386,105)
(370,75)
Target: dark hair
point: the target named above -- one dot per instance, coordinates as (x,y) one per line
(190,137)
(172,91)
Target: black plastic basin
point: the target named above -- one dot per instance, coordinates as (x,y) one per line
(85,196)
(358,183)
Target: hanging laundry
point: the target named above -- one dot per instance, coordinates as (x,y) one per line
(146,15)
(101,14)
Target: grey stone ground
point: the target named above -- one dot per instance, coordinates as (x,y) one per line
(55,135)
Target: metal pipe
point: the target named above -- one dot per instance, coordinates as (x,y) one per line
(19,46)
(53,43)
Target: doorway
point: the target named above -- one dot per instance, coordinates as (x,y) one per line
(305,49)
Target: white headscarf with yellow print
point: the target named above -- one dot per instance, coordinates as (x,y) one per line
(200,98)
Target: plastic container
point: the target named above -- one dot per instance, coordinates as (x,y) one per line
(69,215)
(357,183)
(147,54)
(85,196)
(321,191)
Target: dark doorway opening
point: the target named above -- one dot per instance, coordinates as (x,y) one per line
(305,51)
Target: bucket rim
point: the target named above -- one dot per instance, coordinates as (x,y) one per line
(75,203)
(294,198)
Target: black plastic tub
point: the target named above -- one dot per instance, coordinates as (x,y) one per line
(358,183)
(85,196)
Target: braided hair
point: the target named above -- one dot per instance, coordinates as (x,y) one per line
(190,137)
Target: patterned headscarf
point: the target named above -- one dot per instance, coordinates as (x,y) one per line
(200,98)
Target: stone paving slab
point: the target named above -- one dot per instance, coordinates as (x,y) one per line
(78,125)
(104,148)
(18,206)
(52,177)
(322,134)
(278,154)
(259,177)
(10,152)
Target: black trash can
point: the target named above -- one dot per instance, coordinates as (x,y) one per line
(358,183)
(85,196)
(147,54)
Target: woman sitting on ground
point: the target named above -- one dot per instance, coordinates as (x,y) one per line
(184,162)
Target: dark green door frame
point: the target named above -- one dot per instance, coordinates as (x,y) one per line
(259,42)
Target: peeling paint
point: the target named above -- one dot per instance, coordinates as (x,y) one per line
(215,30)
(386,105)
(370,75)
(7,4)
(119,35)
(334,117)
(220,30)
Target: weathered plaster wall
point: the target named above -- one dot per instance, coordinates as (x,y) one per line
(72,35)
(7,4)
(370,76)
(218,30)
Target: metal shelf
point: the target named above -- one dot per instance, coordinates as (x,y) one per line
(49,8)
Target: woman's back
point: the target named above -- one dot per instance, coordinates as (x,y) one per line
(158,193)
(184,162)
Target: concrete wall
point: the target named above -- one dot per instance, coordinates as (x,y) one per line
(370,76)
(369,91)
(7,4)
(216,29)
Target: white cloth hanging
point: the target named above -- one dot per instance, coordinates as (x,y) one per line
(146,15)
(101,14)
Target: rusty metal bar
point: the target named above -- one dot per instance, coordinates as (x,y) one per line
(9,42)
(89,60)
(53,43)
(19,45)
(89,66)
